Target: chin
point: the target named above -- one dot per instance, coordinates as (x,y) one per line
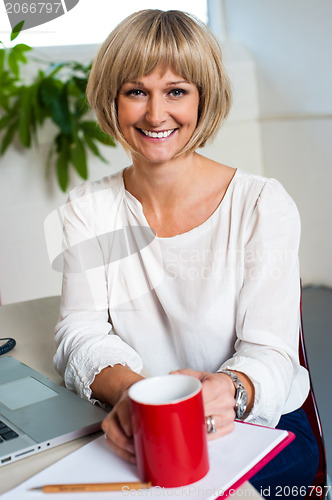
(157,158)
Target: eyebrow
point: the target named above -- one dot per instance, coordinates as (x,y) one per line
(167,84)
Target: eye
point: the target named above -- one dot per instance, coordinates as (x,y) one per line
(177,92)
(135,92)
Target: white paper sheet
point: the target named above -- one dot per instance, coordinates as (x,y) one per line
(231,457)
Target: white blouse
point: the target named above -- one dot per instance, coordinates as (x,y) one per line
(225,294)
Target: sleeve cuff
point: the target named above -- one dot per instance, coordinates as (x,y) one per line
(264,411)
(91,358)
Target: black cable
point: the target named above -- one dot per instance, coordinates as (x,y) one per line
(8,346)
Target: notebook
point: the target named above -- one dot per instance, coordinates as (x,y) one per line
(97,463)
(36,414)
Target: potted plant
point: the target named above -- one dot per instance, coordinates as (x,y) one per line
(56,94)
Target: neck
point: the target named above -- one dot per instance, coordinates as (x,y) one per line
(159,185)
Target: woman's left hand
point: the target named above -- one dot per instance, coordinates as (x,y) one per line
(218,398)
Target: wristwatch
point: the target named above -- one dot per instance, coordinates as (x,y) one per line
(241,396)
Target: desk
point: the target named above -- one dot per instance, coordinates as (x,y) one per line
(32,324)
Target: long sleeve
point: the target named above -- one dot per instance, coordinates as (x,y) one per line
(85,340)
(267,320)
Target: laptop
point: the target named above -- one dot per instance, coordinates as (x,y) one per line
(36,414)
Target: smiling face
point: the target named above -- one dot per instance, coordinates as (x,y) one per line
(158,114)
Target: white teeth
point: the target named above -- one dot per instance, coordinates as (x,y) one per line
(158,135)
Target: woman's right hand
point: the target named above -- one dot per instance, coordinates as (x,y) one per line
(118,429)
(111,386)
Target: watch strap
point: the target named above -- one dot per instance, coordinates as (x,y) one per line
(241,395)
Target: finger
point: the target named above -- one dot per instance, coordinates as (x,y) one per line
(222,419)
(121,412)
(121,452)
(218,405)
(221,431)
(124,416)
(222,424)
(202,376)
(116,435)
(217,389)
(222,411)
(186,371)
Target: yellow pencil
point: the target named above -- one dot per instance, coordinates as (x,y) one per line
(66,488)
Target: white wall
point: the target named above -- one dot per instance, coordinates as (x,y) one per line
(27,197)
(291,42)
(280,125)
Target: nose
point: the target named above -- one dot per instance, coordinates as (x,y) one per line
(156,110)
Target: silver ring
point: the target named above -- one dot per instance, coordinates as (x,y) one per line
(210,425)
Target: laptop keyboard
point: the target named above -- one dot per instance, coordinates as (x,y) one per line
(6,433)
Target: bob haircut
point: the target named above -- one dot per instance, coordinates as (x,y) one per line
(173,40)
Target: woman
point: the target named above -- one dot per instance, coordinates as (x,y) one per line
(179,263)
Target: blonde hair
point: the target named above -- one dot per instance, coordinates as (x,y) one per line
(149,39)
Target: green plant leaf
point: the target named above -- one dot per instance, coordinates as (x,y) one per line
(49,159)
(93,129)
(62,172)
(38,109)
(9,88)
(79,67)
(21,57)
(62,162)
(19,51)
(5,120)
(54,95)
(50,90)
(26,118)
(13,63)
(81,106)
(81,83)
(2,61)
(78,158)
(61,113)
(73,90)
(8,137)
(94,148)
(16,30)
(22,47)
(54,68)
(9,97)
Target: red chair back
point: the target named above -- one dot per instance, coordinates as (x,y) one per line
(311,409)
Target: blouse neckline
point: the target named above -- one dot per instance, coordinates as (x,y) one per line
(131,199)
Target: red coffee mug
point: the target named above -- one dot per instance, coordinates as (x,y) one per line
(169,430)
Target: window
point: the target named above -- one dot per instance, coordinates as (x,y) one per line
(87,22)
